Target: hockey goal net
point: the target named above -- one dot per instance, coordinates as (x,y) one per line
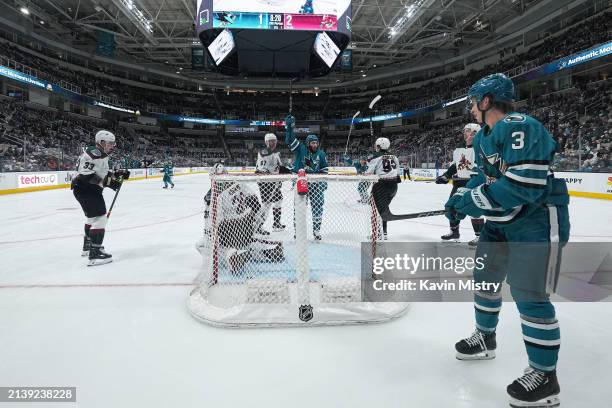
(273,257)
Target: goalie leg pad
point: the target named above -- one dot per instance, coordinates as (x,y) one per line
(236,259)
(267,251)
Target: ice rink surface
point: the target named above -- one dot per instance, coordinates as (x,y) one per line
(122,335)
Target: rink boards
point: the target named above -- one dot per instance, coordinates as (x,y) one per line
(588,185)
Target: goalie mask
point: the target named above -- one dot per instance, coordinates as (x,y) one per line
(217,169)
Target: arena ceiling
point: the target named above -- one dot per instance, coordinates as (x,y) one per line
(385,32)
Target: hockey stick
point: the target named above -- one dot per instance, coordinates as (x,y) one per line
(388,216)
(108,214)
(350,130)
(290,95)
(371,106)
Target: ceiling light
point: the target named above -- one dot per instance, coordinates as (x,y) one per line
(24,10)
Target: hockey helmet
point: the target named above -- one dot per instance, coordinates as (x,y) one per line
(269,137)
(498,86)
(473,127)
(217,169)
(311,138)
(382,143)
(105,136)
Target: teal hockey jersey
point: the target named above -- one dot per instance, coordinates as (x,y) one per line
(303,158)
(513,162)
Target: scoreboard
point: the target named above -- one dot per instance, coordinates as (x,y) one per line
(275,21)
(308,15)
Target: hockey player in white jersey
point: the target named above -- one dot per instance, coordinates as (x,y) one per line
(386,166)
(93,176)
(460,173)
(234,215)
(269,163)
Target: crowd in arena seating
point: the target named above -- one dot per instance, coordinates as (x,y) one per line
(582,36)
(273,105)
(37,138)
(579,119)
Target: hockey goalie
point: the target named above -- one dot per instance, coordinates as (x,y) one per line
(230,226)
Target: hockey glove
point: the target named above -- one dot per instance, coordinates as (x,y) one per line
(112,183)
(462,202)
(289,121)
(124,174)
(207,197)
(284,170)
(442,180)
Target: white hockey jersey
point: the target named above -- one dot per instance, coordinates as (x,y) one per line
(93,164)
(268,162)
(232,202)
(464,159)
(386,167)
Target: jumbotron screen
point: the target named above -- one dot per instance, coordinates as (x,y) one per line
(312,15)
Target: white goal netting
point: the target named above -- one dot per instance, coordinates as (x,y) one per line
(273,257)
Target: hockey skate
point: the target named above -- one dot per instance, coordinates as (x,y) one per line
(452,236)
(278,227)
(535,389)
(97,256)
(473,243)
(479,346)
(86,246)
(316,235)
(262,232)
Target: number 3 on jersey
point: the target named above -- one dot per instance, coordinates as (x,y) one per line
(518,140)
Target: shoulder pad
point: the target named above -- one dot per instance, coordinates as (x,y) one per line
(95,153)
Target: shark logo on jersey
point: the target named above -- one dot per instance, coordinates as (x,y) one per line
(494,166)
(312,164)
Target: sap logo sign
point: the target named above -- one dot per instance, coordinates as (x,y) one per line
(573,180)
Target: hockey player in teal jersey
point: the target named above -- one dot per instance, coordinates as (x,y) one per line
(527,221)
(309,157)
(168,173)
(361,166)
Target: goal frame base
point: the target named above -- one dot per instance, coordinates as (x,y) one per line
(270,315)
